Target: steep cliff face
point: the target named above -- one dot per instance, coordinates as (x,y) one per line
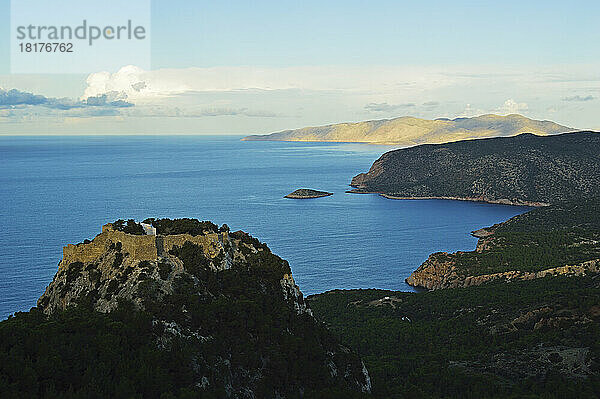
(114,265)
(439,271)
(233,302)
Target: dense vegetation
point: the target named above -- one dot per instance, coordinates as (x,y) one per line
(529,252)
(129,227)
(494,341)
(192,227)
(85,354)
(204,334)
(521,168)
(582,214)
(81,353)
(563,234)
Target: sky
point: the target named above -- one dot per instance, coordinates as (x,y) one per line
(256,67)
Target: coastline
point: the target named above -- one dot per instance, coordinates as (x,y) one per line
(307,196)
(307,193)
(380,143)
(428,277)
(534,204)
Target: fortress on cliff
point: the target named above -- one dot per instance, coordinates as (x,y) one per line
(149,246)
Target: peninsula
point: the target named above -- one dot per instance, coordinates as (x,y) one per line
(522,170)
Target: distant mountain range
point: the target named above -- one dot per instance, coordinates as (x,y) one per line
(408,131)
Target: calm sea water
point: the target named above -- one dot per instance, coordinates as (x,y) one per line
(60,190)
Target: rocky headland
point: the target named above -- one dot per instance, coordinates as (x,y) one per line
(559,240)
(523,170)
(217,313)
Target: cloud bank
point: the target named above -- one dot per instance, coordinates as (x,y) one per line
(10,99)
(136,84)
(247,100)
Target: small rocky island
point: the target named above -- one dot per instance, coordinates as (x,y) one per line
(303,193)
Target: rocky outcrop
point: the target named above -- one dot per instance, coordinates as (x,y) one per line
(117,262)
(436,272)
(532,363)
(303,193)
(181,279)
(439,271)
(557,240)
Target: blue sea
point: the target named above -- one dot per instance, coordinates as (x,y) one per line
(60,190)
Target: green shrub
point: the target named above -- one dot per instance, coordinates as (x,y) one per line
(182,226)
(129,227)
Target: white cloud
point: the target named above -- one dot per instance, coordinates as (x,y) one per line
(133,83)
(510,106)
(136,84)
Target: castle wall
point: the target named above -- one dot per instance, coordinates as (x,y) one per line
(139,247)
(208,242)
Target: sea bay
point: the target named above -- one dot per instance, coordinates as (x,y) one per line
(60,189)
